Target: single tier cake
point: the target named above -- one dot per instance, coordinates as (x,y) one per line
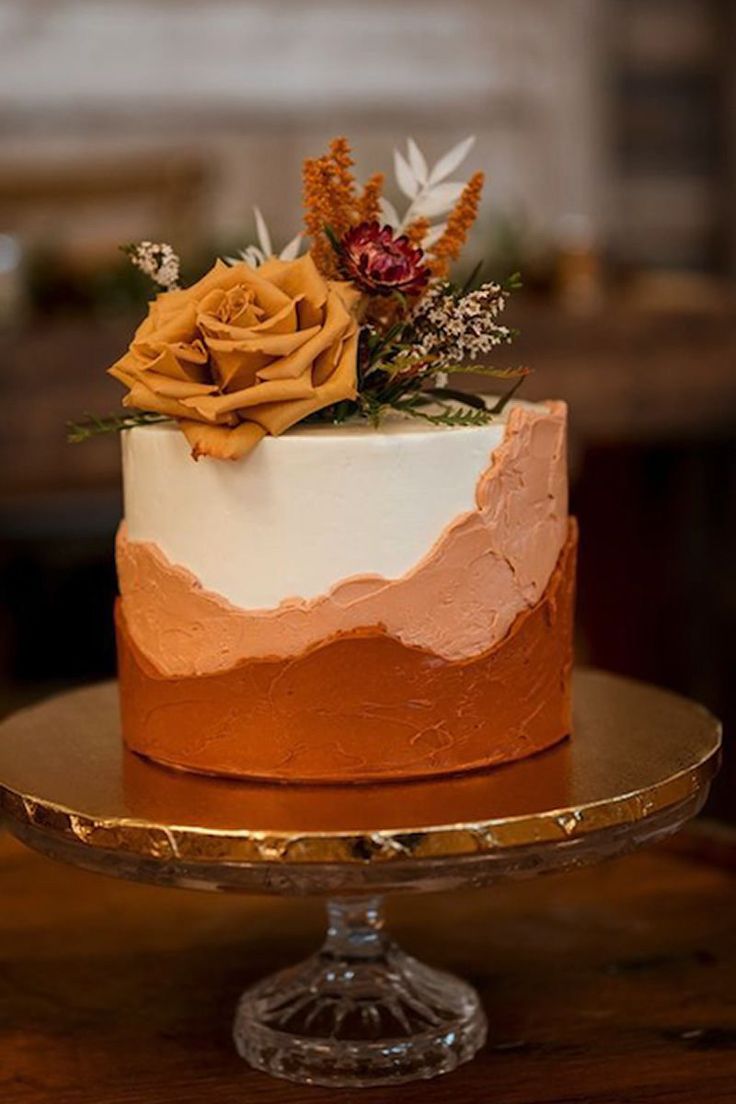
(348,603)
(335,566)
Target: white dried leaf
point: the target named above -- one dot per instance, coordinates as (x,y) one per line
(417,161)
(389,214)
(438,200)
(405,178)
(252,255)
(264,238)
(255,256)
(450,161)
(291,251)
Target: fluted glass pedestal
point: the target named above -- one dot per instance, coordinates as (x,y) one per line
(360,1012)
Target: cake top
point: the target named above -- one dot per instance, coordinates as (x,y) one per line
(392,424)
(356,321)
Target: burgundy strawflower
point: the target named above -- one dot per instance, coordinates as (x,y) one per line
(379,263)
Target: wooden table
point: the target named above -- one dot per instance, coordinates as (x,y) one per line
(614,985)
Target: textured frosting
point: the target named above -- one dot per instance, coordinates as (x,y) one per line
(307,509)
(362,706)
(158,795)
(457,602)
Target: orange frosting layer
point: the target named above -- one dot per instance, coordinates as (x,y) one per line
(155,794)
(461,598)
(362,706)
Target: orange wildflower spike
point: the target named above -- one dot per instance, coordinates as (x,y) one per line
(329,200)
(368,206)
(448,247)
(417,230)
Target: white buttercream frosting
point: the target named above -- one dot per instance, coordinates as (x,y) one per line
(305,510)
(459,598)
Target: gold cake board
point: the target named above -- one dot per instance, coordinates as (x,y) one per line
(638,765)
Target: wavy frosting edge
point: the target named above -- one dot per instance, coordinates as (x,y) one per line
(362,707)
(486,567)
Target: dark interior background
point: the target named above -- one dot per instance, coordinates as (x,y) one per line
(608,131)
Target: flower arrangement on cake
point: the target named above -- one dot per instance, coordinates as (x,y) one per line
(384,592)
(357,316)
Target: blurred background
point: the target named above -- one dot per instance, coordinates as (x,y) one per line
(607,129)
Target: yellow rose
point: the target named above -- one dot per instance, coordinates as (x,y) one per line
(244,352)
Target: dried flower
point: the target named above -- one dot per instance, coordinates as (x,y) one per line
(447,247)
(342,162)
(379,263)
(157,260)
(431,194)
(332,202)
(370,201)
(317,212)
(329,200)
(417,230)
(452,331)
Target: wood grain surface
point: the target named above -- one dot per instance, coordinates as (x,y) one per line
(615,985)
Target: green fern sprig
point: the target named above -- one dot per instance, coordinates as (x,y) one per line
(92,425)
(459,414)
(471,369)
(468,416)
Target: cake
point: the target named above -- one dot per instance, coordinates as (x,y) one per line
(348,604)
(366,575)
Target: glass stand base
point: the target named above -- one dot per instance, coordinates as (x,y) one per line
(361,1012)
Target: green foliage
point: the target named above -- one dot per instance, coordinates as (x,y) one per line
(446,415)
(472,369)
(502,402)
(93,426)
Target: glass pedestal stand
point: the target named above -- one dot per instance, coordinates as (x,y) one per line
(360,1012)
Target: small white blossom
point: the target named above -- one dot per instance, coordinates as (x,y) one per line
(157,260)
(453,331)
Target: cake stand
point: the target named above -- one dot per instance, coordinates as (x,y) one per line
(360,1012)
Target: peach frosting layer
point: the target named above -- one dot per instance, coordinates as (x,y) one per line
(460,599)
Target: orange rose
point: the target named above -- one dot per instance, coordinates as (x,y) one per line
(244,352)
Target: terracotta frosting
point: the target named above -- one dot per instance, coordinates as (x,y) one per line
(362,707)
(460,600)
